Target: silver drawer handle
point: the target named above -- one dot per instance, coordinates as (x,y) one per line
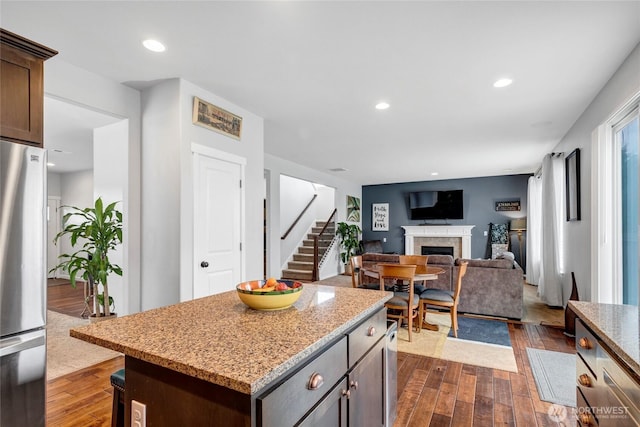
(371,331)
(354,384)
(315,381)
(346,393)
(584,380)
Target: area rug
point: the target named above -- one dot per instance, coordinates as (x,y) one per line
(554,373)
(438,345)
(66,354)
(483,330)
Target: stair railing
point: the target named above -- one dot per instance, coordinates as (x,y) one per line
(316,263)
(284,236)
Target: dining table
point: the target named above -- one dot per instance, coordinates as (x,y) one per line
(423,272)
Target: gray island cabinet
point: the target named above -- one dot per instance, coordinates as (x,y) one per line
(608,364)
(213,361)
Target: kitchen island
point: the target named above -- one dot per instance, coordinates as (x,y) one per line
(214,361)
(608,364)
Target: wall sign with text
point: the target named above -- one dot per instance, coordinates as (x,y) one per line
(508,205)
(380,216)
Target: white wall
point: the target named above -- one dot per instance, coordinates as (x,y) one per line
(295,194)
(251,148)
(325,203)
(167,217)
(621,87)
(78,86)
(161,194)
(110,177)
(276,167)
(53,184)
(76,189)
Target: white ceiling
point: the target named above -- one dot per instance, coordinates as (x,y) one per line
(315,70)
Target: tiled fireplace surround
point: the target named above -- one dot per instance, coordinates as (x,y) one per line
(456,236)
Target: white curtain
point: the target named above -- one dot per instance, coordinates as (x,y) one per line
(552,242)
(534,230)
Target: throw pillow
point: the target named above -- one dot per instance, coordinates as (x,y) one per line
(507,255)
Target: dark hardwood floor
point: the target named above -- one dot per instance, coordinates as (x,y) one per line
(64,298)
(435,392)
(431,392)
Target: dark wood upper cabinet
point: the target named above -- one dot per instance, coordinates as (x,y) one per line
(22,88)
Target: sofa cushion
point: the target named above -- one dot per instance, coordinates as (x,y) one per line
(440,259)
(487,263)
(437,295)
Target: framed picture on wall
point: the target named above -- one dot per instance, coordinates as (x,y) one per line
(353,209)
(572,176)
(217,119)
(380,217)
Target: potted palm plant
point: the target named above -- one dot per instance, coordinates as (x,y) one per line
(98,230)
(349,241)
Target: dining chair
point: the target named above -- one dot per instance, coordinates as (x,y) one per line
(416,260)
(405,303)
(444,299)
(356,270)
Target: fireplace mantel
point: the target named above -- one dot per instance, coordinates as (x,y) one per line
(463,232)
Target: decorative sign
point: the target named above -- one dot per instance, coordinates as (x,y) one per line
(215,118)
(509,205)
(380,217)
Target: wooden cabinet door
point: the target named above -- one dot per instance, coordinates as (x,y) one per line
(21,88)
(331,411)
(366,385)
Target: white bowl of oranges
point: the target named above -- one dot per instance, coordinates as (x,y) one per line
(269,294)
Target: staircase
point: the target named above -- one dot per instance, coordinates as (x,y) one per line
(301,268)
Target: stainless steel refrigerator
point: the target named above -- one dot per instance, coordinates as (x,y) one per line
(23,296)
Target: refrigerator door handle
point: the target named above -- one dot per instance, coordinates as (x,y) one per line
(24,342)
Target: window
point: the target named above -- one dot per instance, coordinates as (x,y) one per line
(615,214)
(628,142)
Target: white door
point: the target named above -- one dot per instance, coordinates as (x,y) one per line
(53,227)
(217,234)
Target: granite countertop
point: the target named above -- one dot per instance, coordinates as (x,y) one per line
(220,340)
(617,326)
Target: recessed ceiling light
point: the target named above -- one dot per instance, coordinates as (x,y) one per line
(434,173)
(50,164)
(154,45)
(382,106)
(502,82)
(338,170)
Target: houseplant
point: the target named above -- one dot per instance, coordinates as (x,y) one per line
(98,230)
(349,241)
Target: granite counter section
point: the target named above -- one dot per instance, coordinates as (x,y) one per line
(618,327)
(220,340)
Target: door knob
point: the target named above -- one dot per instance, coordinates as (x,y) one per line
(204,264)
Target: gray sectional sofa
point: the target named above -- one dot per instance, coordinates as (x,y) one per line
(490,287)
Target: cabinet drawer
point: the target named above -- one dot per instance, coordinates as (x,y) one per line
(584,415)
(586,346)
(363,337)
(289,401)
(586,382)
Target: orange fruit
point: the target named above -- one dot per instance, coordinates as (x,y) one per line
(271,281)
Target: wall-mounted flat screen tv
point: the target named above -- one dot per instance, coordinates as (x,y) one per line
(436,205)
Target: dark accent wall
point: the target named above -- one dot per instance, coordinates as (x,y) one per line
(479,198)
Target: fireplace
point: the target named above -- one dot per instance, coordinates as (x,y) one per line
(437,250)
(457,237)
